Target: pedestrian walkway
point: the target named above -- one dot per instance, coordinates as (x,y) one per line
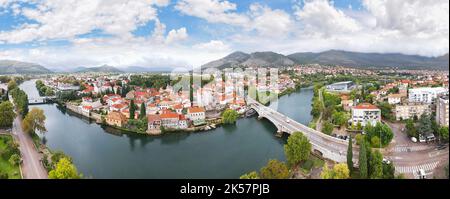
(411,148)
(414,169)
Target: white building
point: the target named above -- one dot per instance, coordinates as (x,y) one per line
(425,95)
(404,112)
(394,98)
(196,114)
(341,86)
(442,110)
(365,114)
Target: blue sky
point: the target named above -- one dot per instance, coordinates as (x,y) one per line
(158,33)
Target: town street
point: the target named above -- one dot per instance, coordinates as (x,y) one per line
(409,157)
(31,165)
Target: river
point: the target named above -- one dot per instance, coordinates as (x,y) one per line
(225,152)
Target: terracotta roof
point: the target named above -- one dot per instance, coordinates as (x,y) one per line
(116,116)
(153,118)
(196,110)
(169,115)
(365,106)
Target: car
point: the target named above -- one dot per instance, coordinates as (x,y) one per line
(413,139)
(287,121)
(386,161)
(441,147)
(334,135)
(422,174)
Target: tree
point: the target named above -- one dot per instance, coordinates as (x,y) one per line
(339,118)
(376,165)
(297,149)
(132,109)
(388,171)
(229,116)
(411,130)
(382,131)
(142,113)
(375,142)
(64,170)
(359,139)
(274,170)
(14,159)
(443,133)
(425,126)
(327,127)
(251,175)
(350,154)
(34,121)
(12,84)
(339,171)
(363,160)
(7,114)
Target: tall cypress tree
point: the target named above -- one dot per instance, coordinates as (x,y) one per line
(132,109)
(143,113)
(350,155)
(363,161)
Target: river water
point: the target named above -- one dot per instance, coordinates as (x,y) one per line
(225,152)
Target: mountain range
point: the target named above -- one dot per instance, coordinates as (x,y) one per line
(16,67)
(332,58)
(265,59)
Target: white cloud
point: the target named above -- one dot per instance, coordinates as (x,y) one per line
(214,11)
(65,19)
(412,17)
(261,18)
(176,35)
(321,17)
(213,46)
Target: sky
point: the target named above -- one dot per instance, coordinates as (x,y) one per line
(189,33)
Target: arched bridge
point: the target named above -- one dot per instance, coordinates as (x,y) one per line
(330,147)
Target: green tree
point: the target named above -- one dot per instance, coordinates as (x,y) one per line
(274,170)
(327,127)
(14,159)
(375,142)
(64,170)
(251,175)
(363,161)
(142,113)
(424,126)
(7,114)
(339,171)
(132,109)
(34,121)
(376,165)
(12,84)
(388,171)
(229,116)
(339,118)
(443,133)
(382,131)
(411,130)
(350,154)
(297,149)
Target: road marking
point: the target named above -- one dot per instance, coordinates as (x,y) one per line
(428,167)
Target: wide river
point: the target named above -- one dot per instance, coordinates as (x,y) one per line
(226,152)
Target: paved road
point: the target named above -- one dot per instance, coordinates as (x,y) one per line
(31,166)
(409,157)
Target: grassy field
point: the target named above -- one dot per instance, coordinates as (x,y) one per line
(12,171)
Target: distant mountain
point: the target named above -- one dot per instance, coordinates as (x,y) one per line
(365,60)
(100,69)
(141,69)
(17,67)
(332,57)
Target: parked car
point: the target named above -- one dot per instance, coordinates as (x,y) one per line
(441,147)
(414,139)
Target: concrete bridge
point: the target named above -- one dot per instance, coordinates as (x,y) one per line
(41,100)
(329,147)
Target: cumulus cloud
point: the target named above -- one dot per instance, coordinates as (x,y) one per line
(321,17)
(65,19)
(176,35)
(213,46)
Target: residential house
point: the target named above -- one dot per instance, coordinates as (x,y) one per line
(115,118)
(365,114)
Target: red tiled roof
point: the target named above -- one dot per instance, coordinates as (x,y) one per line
(365,106)
(196,110)
(169,115)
